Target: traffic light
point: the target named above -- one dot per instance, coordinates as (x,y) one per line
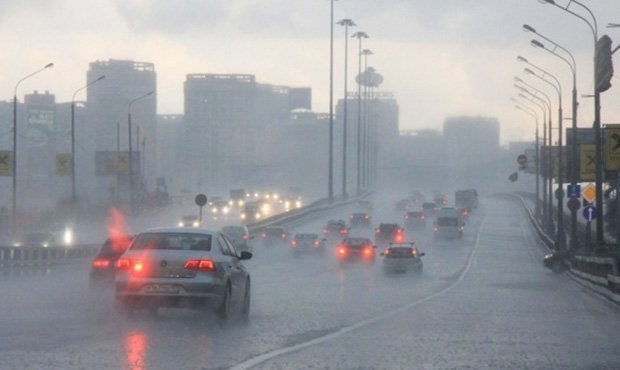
(604,64)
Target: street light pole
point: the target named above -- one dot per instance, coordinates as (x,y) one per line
(600,236)
(73,187)
(574,169)
(131,182)
(330,181)
(359,36)
(346,23)
(365,137)
(14,164)
(529,111)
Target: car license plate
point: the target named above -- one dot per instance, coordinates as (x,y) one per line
(162,288)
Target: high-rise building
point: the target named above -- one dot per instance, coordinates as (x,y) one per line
(108,110)
(231,124)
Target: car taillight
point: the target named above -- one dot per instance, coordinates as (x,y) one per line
(461,229)
(406,217)
(343,231)
(316,243)
(367,250)
(387,251)
(435,229)
(342,250)
(325,231)
(283,236)
(245,237)
(422,217)
(263,235)
(293,242)
(200,265)
(138,266)
(414,252)
(377,231)
(123,264)
(366,217)
(101,263)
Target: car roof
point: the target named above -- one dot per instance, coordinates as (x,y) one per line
(180,230)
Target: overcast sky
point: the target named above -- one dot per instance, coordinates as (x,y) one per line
(439,58)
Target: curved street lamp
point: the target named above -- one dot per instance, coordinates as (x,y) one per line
(520,107)
(592,24)
(14,164)
(346,23)
(359,36)
(73,188)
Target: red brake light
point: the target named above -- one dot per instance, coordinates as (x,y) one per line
(423,217)
(283,236)
(377,231)
(367,250)
(366,217)
(406,217)
(123,264)
(293,242)
(138,266)
(245,237)
(202,265)
(342,250)
(264,235)
(101,263)
(414,252)
(316,242)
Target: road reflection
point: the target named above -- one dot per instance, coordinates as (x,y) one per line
(135,350)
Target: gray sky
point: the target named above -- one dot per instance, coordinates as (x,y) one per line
(440,58)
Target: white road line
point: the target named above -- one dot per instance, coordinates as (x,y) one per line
(254,361)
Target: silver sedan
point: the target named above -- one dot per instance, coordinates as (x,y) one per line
(182,267)
(402,257)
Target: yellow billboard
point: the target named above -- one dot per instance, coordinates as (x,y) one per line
(612,147)
(587,162)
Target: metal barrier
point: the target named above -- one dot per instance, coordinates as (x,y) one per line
(11,256)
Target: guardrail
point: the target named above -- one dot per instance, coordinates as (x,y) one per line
(11,256)
(598,273)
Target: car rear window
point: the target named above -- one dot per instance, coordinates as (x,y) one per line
(447,221)
(388,228)
(356,242)
(400,253)
(414,214)
(274,231)
(306,236)
(428,205)
(172,241)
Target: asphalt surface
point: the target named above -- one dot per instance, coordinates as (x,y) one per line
(483,302)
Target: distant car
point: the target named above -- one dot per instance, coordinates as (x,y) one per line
(220,207)
(103,266)
(429,208)
(274,234)
(307,243)
(181,267)
(440,199)
(389,233)
(251,213)
(356,249)
(448,226)
(360,219)
(239,236)
(335,229)
(402,257)
(415,219)
(54,236)
(463,212)
(189,221)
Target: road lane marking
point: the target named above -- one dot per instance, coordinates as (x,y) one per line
(257,360)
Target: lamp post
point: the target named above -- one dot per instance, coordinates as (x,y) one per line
(346,23)
(573,67)
(330,176)
(73,187)
(359,36)
(533,114)
(547,103)
(14,164)
(365,137)
(543,109)
(561,236)
(600,238)
(131,185)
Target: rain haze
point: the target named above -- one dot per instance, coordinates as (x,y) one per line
(174,192)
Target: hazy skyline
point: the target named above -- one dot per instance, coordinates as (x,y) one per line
(439,58)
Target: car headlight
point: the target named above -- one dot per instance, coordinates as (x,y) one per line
(241,203)
(181,224)
(243,216)
(196,224)
(214,210)
(225,210)
(257,216)
(45,245)
(68,237)
(298,204)
(17,244)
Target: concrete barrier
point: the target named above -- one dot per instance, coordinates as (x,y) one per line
(11,256)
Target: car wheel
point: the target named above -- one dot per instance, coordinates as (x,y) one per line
(246,299)
(224,310)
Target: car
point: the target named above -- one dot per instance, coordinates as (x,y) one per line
(440,199)
(360,219)
(219,207)
(415,219)
(239,236)
(103,266)
(463,212)
(189,221)
(356,249)
(429,208)
(449,226)
(402,257)
(274,234)
(389,233)
(36,239)
(251,213)
(180,267)
(307,243)
(336,229)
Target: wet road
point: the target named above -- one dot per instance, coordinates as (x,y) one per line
(482,302)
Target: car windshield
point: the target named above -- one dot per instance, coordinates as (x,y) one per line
(306,236)
(428,205)
(356,242)
(400,252)
(172,241)
(447,221)
(388,228)
(414,214)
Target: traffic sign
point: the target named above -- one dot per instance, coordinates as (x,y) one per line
(522,159)
(5,163)
(573,204)
(200,200)
(589,213)
(589,193)
(574,191)
(63,164)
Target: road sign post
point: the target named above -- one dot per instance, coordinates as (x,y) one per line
(200,200)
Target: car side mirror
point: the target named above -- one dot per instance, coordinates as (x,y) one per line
(245,255)
(422,254)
